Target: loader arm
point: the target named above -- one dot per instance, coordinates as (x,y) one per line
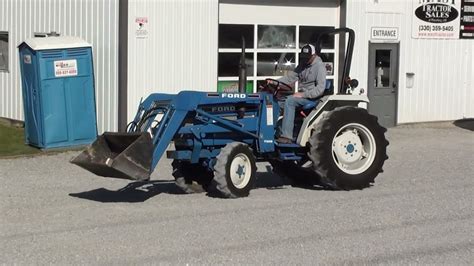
(134,155)
(188,102)
(168,127)
(162,118)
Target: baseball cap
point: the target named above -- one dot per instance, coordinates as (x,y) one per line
(307,51)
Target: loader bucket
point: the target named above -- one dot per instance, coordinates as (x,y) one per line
(119,155)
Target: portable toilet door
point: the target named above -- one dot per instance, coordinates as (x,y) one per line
(58,92)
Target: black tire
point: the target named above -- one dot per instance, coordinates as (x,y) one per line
(297,175)
(191,178)
(325,157)
(222,170)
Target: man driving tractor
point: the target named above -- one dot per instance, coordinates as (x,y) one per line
(311,75)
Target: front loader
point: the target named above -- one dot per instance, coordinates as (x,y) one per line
(219,137)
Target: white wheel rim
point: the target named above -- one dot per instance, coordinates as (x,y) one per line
(240,170)
(353,148)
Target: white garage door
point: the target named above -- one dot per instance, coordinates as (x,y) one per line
(274,33)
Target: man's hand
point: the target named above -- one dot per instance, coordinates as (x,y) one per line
(298,95)
(272,82)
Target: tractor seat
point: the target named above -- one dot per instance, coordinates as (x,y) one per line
(309,106)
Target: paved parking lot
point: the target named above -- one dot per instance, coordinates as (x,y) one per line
(421,210)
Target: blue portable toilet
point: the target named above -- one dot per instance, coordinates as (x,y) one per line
(58,92)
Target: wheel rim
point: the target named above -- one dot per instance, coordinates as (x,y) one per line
(353,148)
(240,170)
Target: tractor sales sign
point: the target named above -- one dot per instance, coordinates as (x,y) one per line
(436,19)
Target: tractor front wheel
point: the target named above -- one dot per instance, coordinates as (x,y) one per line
(191,178)
(348,148)
(234,171)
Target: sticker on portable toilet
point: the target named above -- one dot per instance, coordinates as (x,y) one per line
(65,68)
(27,59)
(269,115)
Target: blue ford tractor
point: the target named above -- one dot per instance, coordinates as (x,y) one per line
(219,137)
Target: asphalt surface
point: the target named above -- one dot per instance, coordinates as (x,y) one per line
(419,211)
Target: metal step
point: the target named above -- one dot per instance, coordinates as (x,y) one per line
(289,157)
(287,145)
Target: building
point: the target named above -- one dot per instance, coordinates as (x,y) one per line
(414,58)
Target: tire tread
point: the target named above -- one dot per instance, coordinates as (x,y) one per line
(322,137)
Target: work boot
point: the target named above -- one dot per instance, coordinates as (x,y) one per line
(284,140)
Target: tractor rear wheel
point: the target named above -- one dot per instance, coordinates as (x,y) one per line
(234,171)
(191,178)
(348,148)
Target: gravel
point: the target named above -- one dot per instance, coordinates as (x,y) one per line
(420,211)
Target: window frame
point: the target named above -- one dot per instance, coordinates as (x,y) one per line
(256,51)
(7,65)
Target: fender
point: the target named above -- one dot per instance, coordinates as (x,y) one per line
(326,104)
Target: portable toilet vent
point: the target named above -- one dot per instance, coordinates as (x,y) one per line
(58,92)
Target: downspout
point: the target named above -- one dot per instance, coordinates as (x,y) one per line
(122,65)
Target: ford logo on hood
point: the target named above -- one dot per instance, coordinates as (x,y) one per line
(436,13)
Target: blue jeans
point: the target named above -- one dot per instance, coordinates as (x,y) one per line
(291,103)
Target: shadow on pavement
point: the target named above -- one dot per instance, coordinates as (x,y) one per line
(133,192)
(465,124)
(144,190)
(270,180)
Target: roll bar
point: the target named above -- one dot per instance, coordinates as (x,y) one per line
(348,55)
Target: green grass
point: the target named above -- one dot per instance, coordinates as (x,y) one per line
(12,142)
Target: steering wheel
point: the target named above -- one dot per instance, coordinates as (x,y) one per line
(277,88)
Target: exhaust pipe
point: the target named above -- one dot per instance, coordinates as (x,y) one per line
(242,78)
(242,70)
(119,155)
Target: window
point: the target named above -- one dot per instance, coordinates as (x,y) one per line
(382,68)
(276,36)
(229,64)
(275,64)
(3,51)
(271,52)
(230,36)
(310,34)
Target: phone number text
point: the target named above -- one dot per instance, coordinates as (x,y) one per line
(435,28)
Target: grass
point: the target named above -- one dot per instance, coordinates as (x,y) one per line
(12,142)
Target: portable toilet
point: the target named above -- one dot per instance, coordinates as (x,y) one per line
(58,92)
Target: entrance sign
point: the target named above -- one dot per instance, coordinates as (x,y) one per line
(384,34)
(436,19)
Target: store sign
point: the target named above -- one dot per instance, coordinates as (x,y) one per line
(65,68)
(141,31)
(467,19)
(436,19)
(384,34)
